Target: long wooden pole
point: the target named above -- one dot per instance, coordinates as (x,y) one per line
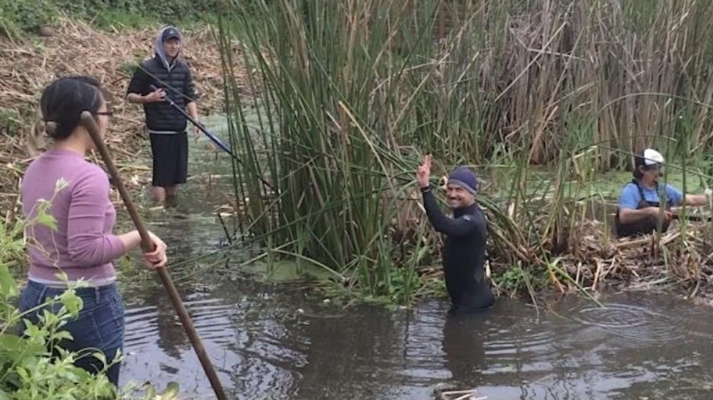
(147,245)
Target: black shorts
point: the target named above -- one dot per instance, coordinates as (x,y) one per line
(170,158)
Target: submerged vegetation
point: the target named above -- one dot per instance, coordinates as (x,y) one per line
(352,93)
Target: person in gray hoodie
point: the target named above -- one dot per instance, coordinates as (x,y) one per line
(167,127)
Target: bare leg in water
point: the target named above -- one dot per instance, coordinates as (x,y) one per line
(166,196)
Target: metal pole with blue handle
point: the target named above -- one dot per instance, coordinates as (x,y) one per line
(211,136)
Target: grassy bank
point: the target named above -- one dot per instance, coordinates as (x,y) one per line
(29,369)
(353,93)
(29,63)
(20,18)
(41,40)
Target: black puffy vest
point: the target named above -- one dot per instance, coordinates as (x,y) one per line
(177,84)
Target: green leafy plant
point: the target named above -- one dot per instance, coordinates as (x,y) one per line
(28,368)
(516,279)
(17,17)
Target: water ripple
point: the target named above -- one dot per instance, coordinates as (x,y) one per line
(212,319)
(631,321)
(140,326)
(262,349)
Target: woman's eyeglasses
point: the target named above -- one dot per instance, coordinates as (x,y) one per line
(107,113)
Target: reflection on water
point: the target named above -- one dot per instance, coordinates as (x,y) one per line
(262,347)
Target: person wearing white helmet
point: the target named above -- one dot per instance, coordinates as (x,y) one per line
(641,199)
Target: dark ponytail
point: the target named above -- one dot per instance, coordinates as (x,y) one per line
(63,102)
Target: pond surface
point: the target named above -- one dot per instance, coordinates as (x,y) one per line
(273,342)
(636,348)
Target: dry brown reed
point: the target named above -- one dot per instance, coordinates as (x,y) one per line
(631,70)
(28,65)
(608,78)
(578,85)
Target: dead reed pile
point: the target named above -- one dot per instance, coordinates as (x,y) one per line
(77,48)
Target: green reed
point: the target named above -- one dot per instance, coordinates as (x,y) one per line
(351,93)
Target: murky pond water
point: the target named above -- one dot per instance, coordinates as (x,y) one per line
(263,348)
(273,342)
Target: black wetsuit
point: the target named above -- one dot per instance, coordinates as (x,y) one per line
(463,254)
(646,225)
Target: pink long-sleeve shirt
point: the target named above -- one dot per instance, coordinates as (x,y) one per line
(82,245)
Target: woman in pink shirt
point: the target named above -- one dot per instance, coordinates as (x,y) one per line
(82,246)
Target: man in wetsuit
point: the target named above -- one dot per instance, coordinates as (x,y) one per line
(641,199)
(464,248)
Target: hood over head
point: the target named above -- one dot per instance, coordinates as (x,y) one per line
(164,34)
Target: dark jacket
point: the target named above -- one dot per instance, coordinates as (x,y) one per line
(174,77)
(463,254)
(178,85)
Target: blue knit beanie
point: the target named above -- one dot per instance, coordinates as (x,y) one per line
(465,178)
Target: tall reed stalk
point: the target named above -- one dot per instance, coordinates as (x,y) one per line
(351,93)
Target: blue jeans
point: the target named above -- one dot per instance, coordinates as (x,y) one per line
(99,325)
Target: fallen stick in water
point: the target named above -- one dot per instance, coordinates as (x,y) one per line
(147,245)
(459,395)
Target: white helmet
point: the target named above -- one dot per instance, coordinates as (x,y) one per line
(651,157)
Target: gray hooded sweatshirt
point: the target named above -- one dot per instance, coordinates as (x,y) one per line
(161,52)
(174,77)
